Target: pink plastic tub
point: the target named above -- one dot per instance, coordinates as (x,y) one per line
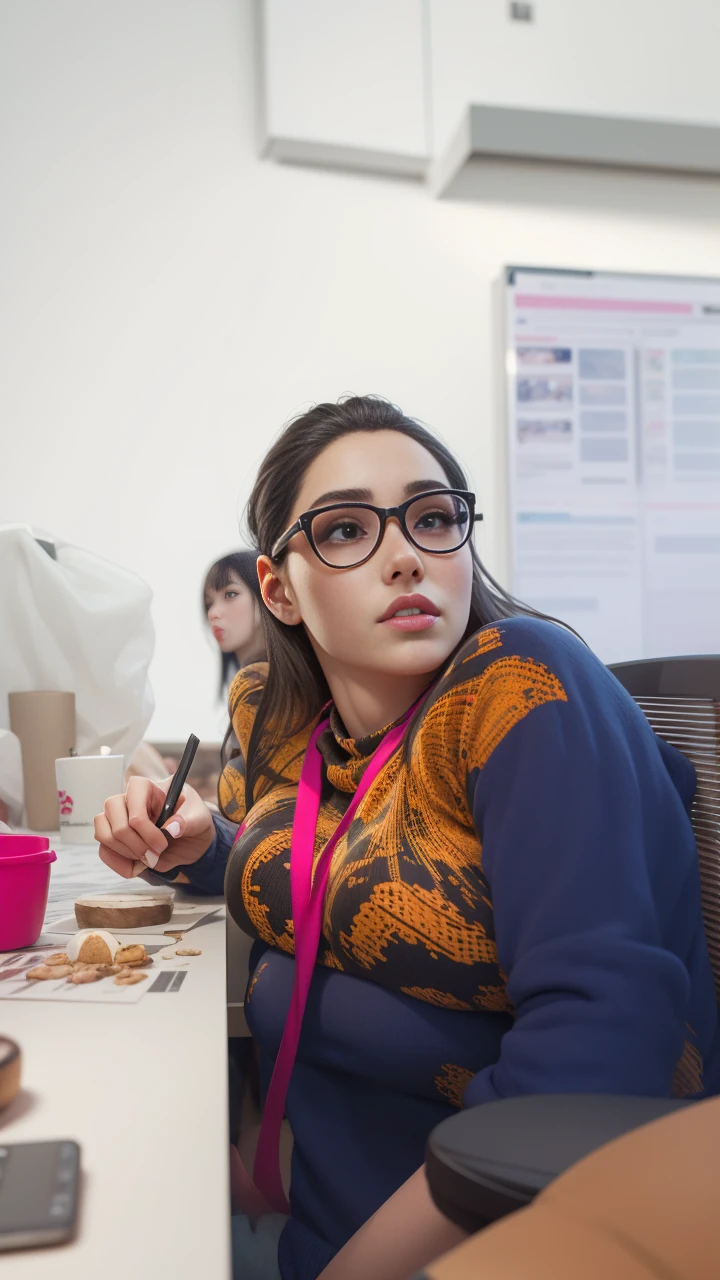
(24,882)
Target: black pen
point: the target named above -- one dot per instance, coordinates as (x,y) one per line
(174,792)
(178,781)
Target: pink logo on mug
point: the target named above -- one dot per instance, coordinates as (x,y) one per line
(66,803)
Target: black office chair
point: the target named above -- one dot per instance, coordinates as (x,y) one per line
(486,1162)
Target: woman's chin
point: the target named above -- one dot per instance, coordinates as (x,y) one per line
(417,655)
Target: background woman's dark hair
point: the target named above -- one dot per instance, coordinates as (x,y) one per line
(242,564)
(296,689)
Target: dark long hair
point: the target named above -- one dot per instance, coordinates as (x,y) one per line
(244,565)
(296,688)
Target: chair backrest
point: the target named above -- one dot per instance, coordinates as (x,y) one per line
(642,1207)
(681,699)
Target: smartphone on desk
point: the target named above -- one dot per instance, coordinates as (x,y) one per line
(39,1183)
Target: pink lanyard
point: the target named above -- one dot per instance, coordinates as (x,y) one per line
(308,897)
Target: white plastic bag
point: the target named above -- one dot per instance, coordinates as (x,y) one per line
(80,624)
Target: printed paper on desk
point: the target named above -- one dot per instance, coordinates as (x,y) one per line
(15,986)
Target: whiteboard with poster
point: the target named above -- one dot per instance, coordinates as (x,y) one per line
(614,456)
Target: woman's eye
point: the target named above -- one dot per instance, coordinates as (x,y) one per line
(435,520)
(230,595)
(345,531)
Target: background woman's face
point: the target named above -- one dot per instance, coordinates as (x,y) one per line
(233,614)
(343,609)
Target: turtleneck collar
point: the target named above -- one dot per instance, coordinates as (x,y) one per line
(346,758)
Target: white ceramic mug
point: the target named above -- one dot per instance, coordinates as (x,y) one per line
(84,784)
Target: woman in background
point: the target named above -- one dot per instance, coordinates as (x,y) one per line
(231,602)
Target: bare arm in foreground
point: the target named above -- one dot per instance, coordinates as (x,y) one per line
(405,1234)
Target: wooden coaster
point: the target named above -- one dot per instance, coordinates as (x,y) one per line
(111,911)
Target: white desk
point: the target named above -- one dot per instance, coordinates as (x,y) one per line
(143,1089)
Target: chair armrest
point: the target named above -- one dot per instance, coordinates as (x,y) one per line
(491,1160)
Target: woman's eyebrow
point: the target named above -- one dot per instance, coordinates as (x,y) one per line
(365,495)
(343,495)
(424,486)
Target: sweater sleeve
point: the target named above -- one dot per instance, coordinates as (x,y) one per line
(207,875)
(576,812)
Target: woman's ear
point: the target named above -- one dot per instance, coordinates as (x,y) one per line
(275,595)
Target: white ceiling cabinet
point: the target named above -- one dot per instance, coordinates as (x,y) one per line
(344,83)
(431,86)
(622,83)
(638,59)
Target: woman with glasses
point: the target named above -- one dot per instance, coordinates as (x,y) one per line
(511,903)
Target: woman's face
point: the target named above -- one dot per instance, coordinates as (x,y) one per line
(349,613)
(233,614)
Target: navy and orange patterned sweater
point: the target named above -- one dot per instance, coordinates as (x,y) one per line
(515,909)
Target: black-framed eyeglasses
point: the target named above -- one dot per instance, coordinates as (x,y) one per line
(346,534)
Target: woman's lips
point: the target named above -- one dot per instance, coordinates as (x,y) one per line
(411,622)
(397,614)
(218,632)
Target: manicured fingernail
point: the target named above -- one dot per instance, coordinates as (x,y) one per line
(173,829)
(151,858)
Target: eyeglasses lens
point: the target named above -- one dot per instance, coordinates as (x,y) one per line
(345,536)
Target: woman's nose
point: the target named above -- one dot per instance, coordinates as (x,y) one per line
(401,557)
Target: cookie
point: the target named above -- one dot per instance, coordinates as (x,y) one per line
(48,972)
(93,946)
(132,957)
(129,979)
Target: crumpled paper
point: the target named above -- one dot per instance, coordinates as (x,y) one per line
(11,778)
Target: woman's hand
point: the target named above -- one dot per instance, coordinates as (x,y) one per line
(126,830)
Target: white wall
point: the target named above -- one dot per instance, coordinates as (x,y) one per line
(170,299)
